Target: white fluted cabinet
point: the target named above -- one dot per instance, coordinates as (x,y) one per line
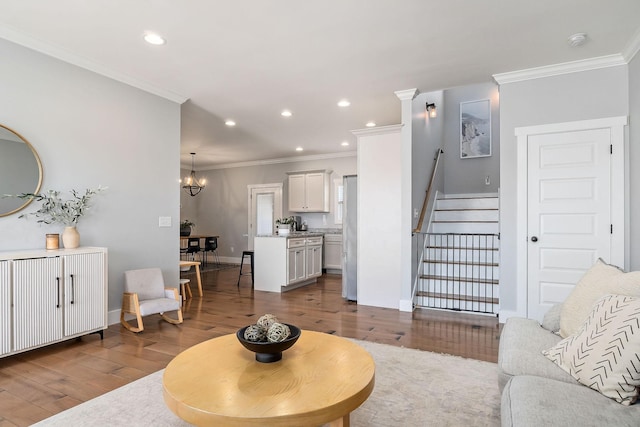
(51,296)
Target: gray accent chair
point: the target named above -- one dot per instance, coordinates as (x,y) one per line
(145,294)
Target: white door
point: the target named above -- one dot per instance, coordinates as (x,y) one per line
(265,206)
(569,215)
(570,208)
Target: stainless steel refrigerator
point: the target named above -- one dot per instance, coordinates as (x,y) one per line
(350,238)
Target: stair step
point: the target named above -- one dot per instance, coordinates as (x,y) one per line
(468,203)
(472,298)
(458,248)
(460,279)
(465,227)
(471,263)
(467,215)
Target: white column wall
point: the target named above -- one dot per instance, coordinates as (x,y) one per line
(381,235)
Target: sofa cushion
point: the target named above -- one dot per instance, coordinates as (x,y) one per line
(605,353)
(521,344)
(551,320)
(536,401)
(598,281)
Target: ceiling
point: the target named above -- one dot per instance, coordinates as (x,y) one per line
(247,60)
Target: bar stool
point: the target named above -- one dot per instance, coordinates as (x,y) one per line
(250,255)
(185,289)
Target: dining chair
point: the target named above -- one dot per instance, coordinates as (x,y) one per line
(193,247)
(211,245)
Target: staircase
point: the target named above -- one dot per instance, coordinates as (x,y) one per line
(460,268)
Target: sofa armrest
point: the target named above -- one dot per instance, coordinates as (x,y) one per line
(551,320)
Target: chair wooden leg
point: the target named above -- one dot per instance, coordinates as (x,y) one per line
(178,311)
(130,305)
(173,321)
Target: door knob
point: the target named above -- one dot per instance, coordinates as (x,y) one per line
(534,239)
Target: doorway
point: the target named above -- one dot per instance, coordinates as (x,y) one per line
(265,206)
(570,207)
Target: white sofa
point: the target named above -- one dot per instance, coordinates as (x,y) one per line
(536,392)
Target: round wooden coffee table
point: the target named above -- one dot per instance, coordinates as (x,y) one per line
(321,379)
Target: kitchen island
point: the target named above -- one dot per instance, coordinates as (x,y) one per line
(286,262)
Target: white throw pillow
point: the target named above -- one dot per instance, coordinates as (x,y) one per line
(605,353)
(600,280)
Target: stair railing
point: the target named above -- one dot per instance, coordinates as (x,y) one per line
(429,198)
(427,206)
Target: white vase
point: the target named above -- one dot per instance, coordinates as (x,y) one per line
(283,229)
(70,238)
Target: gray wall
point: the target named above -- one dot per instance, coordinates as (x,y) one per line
(90,130)
(462,176)
(221,208)
(634,161)
(427,136)
(570,97)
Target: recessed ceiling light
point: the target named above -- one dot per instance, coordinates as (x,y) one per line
(345,143)
(370,124)
(155,39)
(577,39)
(343,103)
(230,123)
(299,149)
(286,113)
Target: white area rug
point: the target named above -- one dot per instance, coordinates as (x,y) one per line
(413,388)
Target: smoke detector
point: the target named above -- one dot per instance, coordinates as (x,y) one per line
(577,39)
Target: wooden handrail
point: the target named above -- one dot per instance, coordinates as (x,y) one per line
(428,194)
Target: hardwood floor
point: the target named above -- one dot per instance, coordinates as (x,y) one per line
(40,383)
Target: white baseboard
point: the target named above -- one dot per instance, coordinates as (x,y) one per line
(113,317)
(406,305)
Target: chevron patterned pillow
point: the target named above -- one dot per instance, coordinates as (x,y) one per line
(605,352)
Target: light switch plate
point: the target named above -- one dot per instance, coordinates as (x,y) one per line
(164,221)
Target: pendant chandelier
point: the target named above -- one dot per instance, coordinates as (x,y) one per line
(191,184)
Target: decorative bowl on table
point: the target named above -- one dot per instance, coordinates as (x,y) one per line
(266,351)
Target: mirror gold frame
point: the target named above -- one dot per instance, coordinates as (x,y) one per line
(6,151)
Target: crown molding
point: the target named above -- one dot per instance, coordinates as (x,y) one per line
(282,160)
(379,130)
(632,48)
(559,69)
(71,58)
(407,94)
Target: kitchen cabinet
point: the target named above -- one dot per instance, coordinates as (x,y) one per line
(283,263)
(54,296)
(309,191)
(314,256)
(332,252)
(296,260)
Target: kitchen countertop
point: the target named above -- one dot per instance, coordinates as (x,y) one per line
(294,234)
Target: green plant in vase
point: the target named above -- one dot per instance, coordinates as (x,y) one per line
(185,227)
(54,209)
(284,225)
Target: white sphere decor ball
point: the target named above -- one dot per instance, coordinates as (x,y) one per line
(266,321)
(255,333)
(278,332)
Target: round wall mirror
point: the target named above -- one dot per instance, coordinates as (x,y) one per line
(20,170)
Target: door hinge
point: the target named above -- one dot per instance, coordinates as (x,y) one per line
(611,231)
(611,149)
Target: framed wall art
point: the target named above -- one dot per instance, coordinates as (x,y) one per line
(475,129)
